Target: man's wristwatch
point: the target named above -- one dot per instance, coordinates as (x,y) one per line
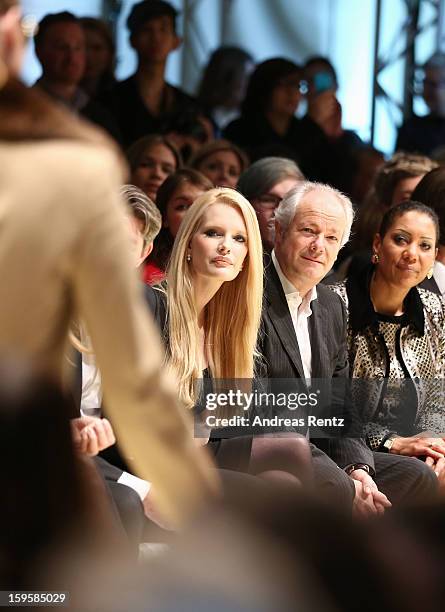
(387,444)
(357,466)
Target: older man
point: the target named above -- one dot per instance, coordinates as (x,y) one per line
(264,184)
(305,337)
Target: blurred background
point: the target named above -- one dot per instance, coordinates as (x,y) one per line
(376,46)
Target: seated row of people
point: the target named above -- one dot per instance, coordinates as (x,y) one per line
(209,312)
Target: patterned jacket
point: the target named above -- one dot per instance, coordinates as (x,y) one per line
(421,348)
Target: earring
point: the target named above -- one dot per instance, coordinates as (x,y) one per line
(375,258)
(188,258)
(430,273)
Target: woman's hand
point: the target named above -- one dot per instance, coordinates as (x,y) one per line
(417,446)
(325,110)
(91,435)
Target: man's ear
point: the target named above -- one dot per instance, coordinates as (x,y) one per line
(278,233)
(177,42)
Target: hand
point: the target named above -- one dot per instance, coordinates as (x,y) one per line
(152,512)
(368,499)
(326,111)
(438,466)
(91,435)
(416,446)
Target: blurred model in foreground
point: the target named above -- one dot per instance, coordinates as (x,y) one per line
(64,247)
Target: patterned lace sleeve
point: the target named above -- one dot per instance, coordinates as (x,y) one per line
(375,435)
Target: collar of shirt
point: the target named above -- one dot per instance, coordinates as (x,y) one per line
(77,102)
(361,309)
(296,303)
(439,275)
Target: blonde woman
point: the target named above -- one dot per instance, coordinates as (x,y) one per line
(210,311)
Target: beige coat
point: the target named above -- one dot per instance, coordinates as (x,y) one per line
(64,253)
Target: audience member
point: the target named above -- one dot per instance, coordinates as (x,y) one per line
(223,85)
(152,159)
(145,221)
(427,133)
(60,49)
(394,183)
(81,267)
(304,337)
(396,339)
(221,162)
(431,191)
(189,131)
(210,315)
(175,196)
(98,78)
(265,184)
(325,109)
(366,162)
(129,493)
(268,120)
(145,103)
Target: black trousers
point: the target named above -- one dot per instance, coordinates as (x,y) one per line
(125,501)
(404,480)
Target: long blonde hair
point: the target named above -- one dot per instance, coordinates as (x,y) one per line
(232,317)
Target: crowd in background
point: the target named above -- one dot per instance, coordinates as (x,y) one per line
(266,247)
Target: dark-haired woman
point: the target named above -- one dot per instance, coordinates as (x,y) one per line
(175,196)
(268,125)
(431,191)
(152,159)
(396,338)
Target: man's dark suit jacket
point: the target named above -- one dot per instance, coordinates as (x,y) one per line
(327,330)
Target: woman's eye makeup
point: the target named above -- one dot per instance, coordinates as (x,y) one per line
(216,232)
(400,238)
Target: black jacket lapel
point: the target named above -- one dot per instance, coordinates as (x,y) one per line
(318,332)
(281,319)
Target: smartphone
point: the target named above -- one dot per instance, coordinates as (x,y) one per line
(323,81)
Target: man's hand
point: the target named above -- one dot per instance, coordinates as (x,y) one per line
(368,499)
(91,435)
(438,466)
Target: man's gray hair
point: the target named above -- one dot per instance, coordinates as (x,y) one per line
(263,174)
(285,212)
(143,208)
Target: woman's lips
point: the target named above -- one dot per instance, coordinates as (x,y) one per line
(222,262)
(407,269)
